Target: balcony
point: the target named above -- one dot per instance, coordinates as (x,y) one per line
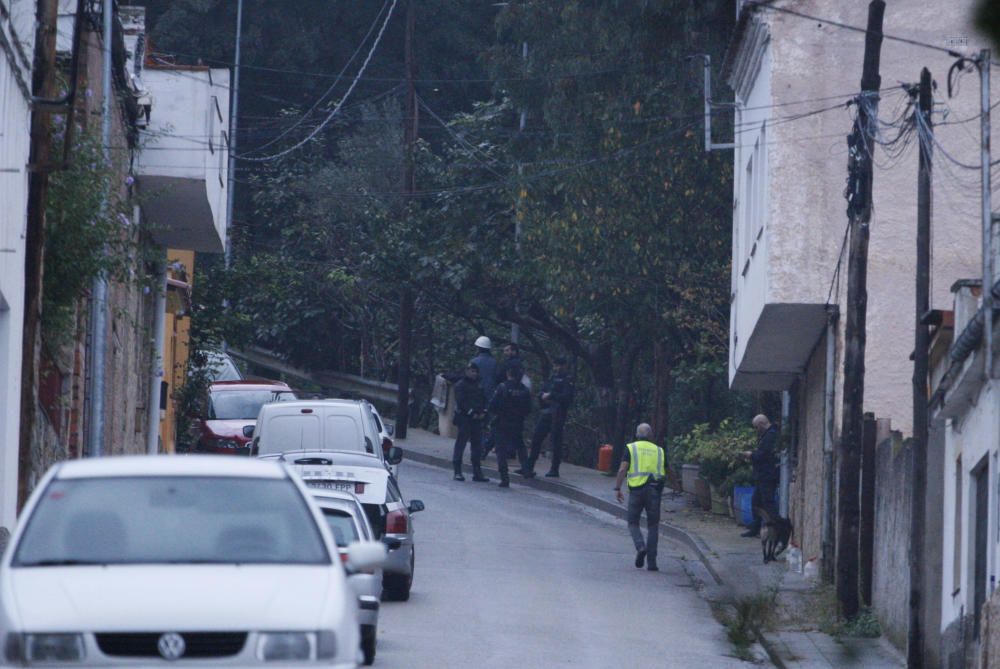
(183,161)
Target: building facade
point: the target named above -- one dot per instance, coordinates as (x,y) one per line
(789,270)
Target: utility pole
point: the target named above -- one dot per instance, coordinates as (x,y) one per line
(915,644)
(233,111)
(43,85)
(406,299)
(515,329)
(988,267)
(859,209)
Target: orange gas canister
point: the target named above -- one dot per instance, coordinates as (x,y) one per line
(604,458)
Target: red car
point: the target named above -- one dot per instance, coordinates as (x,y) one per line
(230,407)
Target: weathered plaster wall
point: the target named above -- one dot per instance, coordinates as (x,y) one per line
(806,506)
(891,568)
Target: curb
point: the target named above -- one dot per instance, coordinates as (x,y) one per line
(677,534)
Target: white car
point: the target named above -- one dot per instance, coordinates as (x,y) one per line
(348,523)
(366,476)
(201,560)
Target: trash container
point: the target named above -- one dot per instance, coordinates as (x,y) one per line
(743,503)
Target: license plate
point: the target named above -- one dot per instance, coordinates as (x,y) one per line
(343,486)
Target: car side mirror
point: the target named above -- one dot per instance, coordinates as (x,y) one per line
(248,431)
(391,543)
(394,456)
(363,555)
(415,505)
(390,430)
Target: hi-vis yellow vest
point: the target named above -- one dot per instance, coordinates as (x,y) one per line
(645,460)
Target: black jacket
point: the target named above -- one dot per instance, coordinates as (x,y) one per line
(561,388)
(511,404)
(766,467)
(470,400)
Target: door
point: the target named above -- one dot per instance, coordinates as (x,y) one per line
(981,530)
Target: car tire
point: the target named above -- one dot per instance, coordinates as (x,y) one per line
(396,587)
(369,639)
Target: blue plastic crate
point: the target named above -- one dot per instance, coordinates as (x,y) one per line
(742,498)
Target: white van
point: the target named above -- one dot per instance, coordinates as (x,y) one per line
(316,425)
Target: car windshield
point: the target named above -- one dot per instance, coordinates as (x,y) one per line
(242,404)
(172,519)
(220,367)
(342,526)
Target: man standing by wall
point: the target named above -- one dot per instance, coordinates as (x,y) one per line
(645,465)
(555,398)
(766,472)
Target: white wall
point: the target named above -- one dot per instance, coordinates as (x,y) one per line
(190,114)
(15,123)
(972,437)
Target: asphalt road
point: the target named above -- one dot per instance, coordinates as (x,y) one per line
(516,578)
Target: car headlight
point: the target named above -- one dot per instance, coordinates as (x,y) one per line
(296,646)
(43,648)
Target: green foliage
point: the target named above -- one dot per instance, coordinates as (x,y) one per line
(88,232)
(719,452)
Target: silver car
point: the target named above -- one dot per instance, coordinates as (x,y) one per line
(367,476)
(348,523)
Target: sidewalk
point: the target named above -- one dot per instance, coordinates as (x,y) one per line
(728,567)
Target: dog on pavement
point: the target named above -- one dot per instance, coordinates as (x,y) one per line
(775,534)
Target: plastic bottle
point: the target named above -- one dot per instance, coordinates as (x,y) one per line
(794,559)
(811,570)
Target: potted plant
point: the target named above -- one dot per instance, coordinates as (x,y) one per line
(718,454)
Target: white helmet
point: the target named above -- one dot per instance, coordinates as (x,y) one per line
(484,342)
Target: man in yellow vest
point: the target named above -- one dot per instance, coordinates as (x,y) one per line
(644,463)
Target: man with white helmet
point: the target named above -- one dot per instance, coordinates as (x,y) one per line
(487,365)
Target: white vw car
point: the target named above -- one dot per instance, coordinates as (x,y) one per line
(198,561)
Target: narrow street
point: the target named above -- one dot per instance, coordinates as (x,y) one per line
(517,578)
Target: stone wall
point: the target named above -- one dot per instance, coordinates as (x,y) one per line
(891,573)
(806,491)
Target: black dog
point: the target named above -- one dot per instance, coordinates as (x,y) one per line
(774,536)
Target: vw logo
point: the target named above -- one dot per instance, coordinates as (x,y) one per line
(171,646)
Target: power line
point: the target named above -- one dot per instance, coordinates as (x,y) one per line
(336,109)
(757,4)
(329,90)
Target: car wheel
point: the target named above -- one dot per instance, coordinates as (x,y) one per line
(396,587)
(368,641)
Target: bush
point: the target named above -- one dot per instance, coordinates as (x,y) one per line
(719,453)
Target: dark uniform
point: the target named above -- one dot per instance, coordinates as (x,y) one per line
(511,404)
(470,414)
(766,476)
(489,438)
(551,419)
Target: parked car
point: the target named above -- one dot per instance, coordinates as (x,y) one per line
(349,523)
(317,425)
(145,561)
(229,409)
(220,366)
(385,432)
(376,488)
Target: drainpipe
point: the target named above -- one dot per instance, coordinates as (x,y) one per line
(156,378)
(828,470)
(786,469)
(99,289)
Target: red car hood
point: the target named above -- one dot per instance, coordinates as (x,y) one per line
(229,428)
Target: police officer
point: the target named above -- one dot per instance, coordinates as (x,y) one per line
(645,465)
(555,398)
(470,414)
(487,365)
(511,404)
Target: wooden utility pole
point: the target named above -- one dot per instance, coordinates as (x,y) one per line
(406,299)
(859,209)
(43,86)
(915,642)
